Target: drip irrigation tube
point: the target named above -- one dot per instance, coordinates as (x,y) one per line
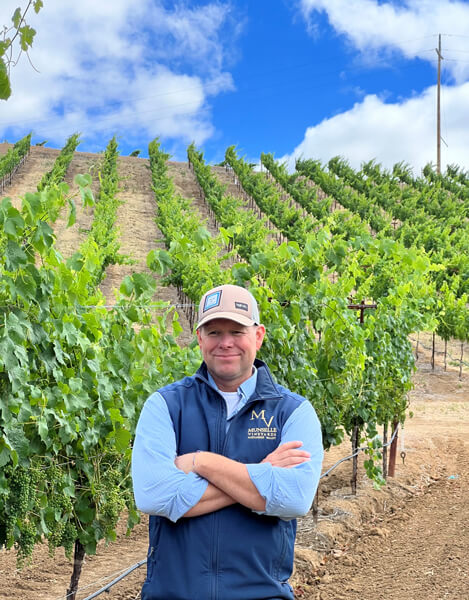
(107,587)
(326,473)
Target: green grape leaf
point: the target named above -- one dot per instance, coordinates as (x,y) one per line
(82,180)
(19,444)
(127,286)
(122,439)
(16,18)
(15,256)
(72,217)
(5,87)
(13,225)
(5,454)
(27,34)
(159,261)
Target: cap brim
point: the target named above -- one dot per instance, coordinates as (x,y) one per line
(227,315)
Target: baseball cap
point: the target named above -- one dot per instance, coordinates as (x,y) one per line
(228,302)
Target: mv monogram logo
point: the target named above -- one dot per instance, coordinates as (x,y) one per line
(265,431)
(261,415)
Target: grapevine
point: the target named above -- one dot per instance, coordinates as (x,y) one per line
(13,157)
(57,173)
(73,377)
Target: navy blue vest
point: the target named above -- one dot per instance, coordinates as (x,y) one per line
(232,553)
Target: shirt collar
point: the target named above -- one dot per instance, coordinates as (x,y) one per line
(245,390)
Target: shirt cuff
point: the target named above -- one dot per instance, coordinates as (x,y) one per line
(261,476)
(188,495)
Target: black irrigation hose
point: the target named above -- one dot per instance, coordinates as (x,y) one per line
(107,587)
(358,452)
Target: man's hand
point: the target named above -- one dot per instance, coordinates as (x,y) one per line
(287,455)
(229,481)
(185,462)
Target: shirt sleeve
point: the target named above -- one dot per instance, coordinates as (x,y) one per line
(289,493)
(160,488)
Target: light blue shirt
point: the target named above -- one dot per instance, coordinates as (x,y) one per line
(161,488)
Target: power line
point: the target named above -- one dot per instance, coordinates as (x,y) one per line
(169,112)
(455,35)
(454,50)
(456,60)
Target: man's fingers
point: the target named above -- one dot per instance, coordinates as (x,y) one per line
(295,460)
(288,455)
(290,445)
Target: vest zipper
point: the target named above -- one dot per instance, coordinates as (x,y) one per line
(221,434)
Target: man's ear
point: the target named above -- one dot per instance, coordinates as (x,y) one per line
(260,333)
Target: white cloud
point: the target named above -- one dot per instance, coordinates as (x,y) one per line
(135,68)
(403,130)
(410,27)
(394,132)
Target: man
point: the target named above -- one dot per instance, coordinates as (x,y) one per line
(224,461)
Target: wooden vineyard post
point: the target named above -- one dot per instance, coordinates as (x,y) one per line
(362,307)
(460,360)
(393,451)
(446,351)
(433,351)
(385,451)
(355,435)
(315,507)
(353,481)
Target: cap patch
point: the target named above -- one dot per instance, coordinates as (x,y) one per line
(212,300)
(242,306)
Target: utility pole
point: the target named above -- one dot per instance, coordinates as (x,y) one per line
(438,117)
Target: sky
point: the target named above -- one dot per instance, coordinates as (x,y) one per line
(298,78)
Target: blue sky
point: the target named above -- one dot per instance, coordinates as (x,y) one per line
(311,78)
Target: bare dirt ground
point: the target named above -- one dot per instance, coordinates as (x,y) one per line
(69,238)
(406,541)
(28,176)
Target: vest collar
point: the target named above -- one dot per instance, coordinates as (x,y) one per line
(265,387)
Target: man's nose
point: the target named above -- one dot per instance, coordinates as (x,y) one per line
(226,340)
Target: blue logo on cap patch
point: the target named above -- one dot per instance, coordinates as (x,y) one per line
(212,300)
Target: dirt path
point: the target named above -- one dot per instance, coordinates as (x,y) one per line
(410,540)
(139,235)
(419,551)
(186,185)
(26,179)
(69,238)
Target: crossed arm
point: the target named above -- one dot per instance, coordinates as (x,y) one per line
(229,480)
(198,483)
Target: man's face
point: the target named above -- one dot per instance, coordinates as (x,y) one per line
(229,350)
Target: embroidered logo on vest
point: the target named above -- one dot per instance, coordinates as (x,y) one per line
(262,433)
